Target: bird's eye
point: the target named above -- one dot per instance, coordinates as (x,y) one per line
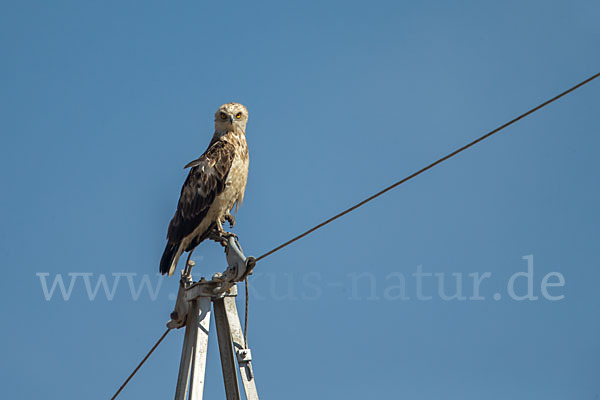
(238,115)
(223,116)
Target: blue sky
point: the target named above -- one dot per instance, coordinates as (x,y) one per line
(103,104)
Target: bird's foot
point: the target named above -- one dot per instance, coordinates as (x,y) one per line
(229,218)
(217,236)
(221,236)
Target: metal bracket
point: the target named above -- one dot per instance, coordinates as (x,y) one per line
(244,358)
(239,266)
(182,306)
(221,284)
(243,355)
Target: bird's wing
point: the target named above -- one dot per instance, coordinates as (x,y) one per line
(205,181)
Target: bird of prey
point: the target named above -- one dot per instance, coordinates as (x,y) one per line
(216,182)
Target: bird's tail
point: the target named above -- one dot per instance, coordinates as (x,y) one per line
(169,259)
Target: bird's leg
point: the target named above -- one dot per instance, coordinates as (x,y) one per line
(229,218)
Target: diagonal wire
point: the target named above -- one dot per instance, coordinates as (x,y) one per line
(433,164)
(140,364)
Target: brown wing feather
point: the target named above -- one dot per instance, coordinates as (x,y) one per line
(205,181)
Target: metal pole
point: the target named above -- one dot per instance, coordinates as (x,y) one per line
(193,308)
(193,356)
(232,390)
(244,357)
(185,365)
(201,349)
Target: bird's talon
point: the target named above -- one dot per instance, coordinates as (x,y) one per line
(228,235)
(229,218)
(221,237)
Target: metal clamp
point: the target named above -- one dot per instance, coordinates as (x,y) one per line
(221,284)
(244,359)
(243,355)
(239,266)
(179,314)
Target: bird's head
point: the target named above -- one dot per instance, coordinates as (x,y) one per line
(231,117)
